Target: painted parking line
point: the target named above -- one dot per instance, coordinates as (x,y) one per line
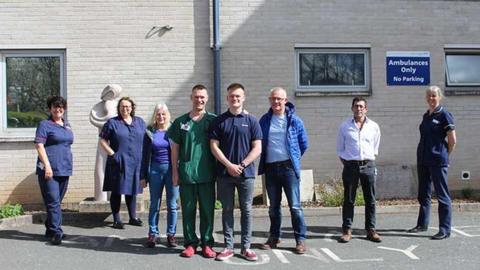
(464,230)
(263,259)
(408,252)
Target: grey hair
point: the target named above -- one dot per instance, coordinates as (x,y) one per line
(278,88)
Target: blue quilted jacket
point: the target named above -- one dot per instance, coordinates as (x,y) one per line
(297,140)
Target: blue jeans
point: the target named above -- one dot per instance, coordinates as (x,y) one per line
(366,174)
(226,194)
(53,191)
(439,177)
(278,177)
(160,177)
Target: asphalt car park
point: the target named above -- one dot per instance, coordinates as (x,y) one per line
(98,246)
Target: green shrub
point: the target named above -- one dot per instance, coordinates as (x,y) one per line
(331,194)
(25,119)
(9,210)
(467,193)
(218,204)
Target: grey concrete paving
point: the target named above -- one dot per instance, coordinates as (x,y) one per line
(95,246)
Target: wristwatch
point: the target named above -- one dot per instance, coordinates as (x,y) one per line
(243,165)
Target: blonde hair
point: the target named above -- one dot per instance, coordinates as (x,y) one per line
(153,120)
(434,90)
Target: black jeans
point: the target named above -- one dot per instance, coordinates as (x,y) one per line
(352,172)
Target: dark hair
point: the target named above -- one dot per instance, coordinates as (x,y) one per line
(131,102)
(234,86)
(198,87)
(357,99)
(56,101)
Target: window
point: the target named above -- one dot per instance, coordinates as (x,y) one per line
(332,70)
(462,68)
(28,78)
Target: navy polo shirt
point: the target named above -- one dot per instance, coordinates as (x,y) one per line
(433,148)
(57,141)
(235,134)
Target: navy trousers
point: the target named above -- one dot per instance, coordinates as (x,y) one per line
(439,177)
(53,190)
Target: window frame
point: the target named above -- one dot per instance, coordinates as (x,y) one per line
(460,89)
(364,49)
(24,134)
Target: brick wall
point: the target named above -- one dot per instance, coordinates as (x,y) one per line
(258,50)
(106,42)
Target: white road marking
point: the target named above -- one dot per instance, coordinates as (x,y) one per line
(457,230)
(334,257)
(91,241)
(408,252)
(264,260)
(112,238)
(280,256)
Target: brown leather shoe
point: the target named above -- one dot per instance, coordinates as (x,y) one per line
(346,236)
(300,247)
(373,236)
(271,243)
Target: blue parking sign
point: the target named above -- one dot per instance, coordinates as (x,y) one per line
(408,68)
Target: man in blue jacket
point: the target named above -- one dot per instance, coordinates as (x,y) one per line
(284,142)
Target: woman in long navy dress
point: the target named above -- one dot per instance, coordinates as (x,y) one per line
(53,140)
(437,141)
(122,137)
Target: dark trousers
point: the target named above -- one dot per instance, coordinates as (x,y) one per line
(131,201)
(53,190)
(439,177)
(352,172)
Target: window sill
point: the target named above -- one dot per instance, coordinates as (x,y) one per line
(16,139)
(462,91)
(326,93)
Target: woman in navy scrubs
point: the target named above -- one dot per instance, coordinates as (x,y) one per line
(122,137)
(432,163)
(53,140)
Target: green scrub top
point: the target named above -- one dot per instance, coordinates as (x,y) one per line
(196,164)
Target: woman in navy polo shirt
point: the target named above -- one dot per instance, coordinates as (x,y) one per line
(432,163)
(53,140)
(122,137)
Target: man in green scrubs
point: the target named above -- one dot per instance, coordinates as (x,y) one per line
(193,168)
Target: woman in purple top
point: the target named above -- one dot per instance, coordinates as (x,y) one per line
(158,165)
(53,140)
(123,137)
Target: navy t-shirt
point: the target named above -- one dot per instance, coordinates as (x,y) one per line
(57,141)
(235,134)
(433,148)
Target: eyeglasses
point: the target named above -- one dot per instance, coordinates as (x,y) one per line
(125,107)
(276,99)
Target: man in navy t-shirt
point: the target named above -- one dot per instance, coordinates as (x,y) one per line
(236,141)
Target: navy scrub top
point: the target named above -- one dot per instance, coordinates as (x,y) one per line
(123,169)
(235,134)
(433,148)
(57,140)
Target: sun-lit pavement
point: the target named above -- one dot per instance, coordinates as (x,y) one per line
(98,246)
